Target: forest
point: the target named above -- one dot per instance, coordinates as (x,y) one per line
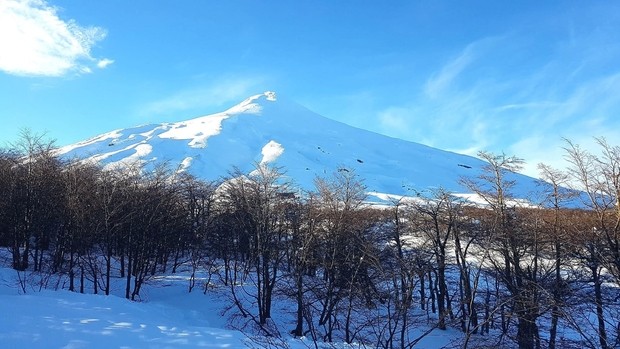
(541,274)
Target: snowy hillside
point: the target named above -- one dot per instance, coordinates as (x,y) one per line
(269,129)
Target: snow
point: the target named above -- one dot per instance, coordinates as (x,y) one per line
(240,137)
(197,131)
(250,105)
(167,316)
(101,138)
(271,151)
(62,319)
(185,164)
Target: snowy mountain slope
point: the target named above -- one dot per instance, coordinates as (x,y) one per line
(269,129)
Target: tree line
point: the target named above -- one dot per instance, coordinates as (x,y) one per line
(503,273)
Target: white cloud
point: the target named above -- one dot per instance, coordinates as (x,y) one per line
(104,63)
(395,121)
(587,111)
(525,114)
(36,42)
(528,105)
(439,82)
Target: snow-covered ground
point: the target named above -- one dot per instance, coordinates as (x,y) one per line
(167,316)
(170,317)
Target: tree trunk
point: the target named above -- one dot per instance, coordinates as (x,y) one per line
(555,310)
(81,278)
(431,290)
(598,300)
(441,295)
(298,332)
(108,270)
(128,281)
(422,292)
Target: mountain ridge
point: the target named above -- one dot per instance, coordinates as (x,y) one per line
(268,129)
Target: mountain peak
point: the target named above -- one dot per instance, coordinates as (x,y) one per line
(289,135)
(254,104)
(270,96)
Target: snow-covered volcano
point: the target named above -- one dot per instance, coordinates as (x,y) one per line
(269,129)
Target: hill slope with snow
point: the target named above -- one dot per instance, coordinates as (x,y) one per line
(269,129)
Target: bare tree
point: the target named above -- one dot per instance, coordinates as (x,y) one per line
(517,249)
(33,184)
(347,255)
(80,225)
(305,218)
(555,198)
(437,218)
(198,204)
(598,179)
(257,202)
(399,280)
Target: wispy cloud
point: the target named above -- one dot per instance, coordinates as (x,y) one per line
(104,63)
(438,83)
(448,77)
(588,111)
(202,97)
(35,41)
(517,94)
(395,121)
(528,105)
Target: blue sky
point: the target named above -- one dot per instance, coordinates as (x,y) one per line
(462,76)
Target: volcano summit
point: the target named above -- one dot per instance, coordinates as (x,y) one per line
(269,129)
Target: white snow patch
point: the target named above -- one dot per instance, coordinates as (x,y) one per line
(185,164)
(140,152)
(386,197)
(388,200)
(101,138)
(271,151)
(248,106)
(143,150)
(103,156)
(476,199)
(251,105)
(197,131)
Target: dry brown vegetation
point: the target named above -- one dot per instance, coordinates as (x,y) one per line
(497,272)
